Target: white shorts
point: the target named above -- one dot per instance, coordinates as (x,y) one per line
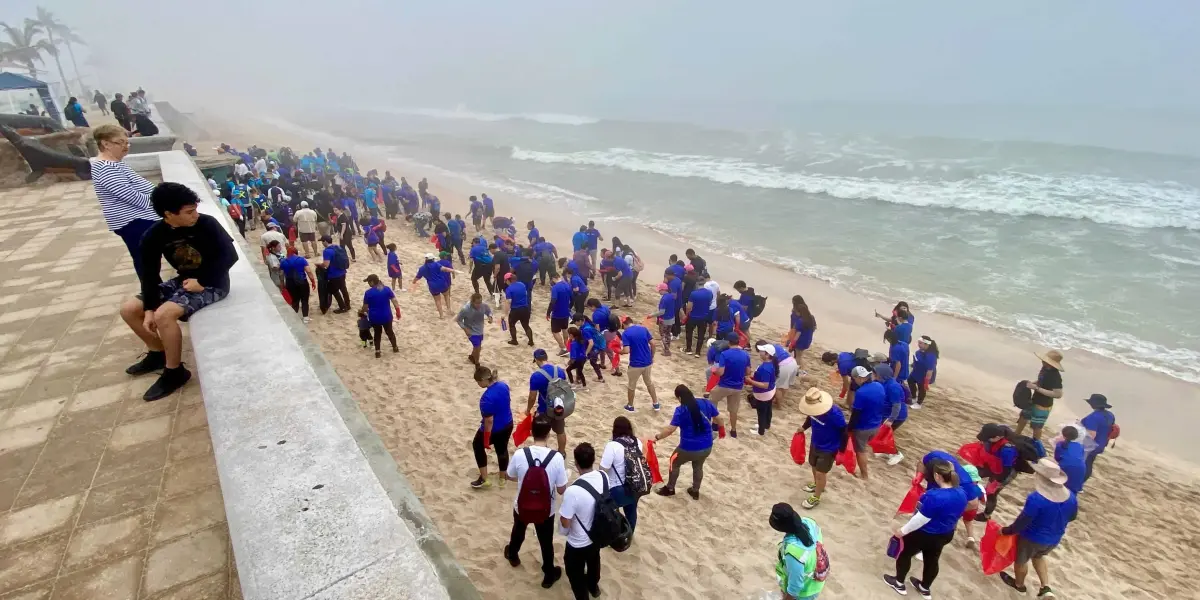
(788,368)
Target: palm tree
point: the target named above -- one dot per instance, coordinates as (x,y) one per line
(23,46)
(70,37)
(52,26)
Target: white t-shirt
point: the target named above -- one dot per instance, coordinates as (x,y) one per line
(579,506)
(612,462)
(556,471)
(271,236)
(306,220)
(715,288)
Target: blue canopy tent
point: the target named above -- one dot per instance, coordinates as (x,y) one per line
(16,81)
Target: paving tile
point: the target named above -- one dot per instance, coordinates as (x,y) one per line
(12,381)
(62,451)
(53,481)
(18,463)
(40,389)
(20,315)
(193,443)
(37,520)
(182,515)
(33,561)
(185,559)
(140,432)
(16,361)
(29,413)
(98,397)
(9,488)
(131,493)
(48,326)
(40,591)
(100,377)
(116,580)
(191,418)
(72,424)
(189,475)
(212,587)
(106,539)
(51,370)
(24,436)
(137,409)
(98,311)
(191,396)
(120,464)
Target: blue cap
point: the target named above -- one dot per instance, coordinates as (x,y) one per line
(540,354)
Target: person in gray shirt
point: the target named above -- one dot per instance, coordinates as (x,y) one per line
(470,318)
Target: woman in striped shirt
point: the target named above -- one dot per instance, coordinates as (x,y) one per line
(124,195)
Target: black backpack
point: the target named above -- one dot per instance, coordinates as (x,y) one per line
(340,260)
(1022,396)
(758,306)
(609,526)
(1029,451)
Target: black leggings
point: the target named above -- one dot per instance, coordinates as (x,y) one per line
(519,315)
(379,329)
(580,302)
(766,410)
(700,327)
(337,289)
(917,391)
(930,546)
(299,294)
(499,442)
(484,271)
(348,244)
(575,369)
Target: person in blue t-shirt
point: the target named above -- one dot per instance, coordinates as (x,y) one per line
(458,231)
(637,342)
(482,265)
(901,321)
(517,306)
(298,277)
(539,383)
(558,312)
(694,418)
(828,426)
(732,366)
(489,210)
(376,302)
(930,529)
(335,274)
(667,311)
(762,384)
(866,415)
(437,276)
(1000,468)
(496,424)
(845,362)
(593,240)
(1041,525)
(895,409)
(579,241)
(1072,458)
(476,210)
(583,348)
(698,311)
(923,371)
(1099,425)
(897,355)
(579,289)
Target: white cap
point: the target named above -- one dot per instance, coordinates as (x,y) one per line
(768,348)
(303,204)
(860,371)
(430,256)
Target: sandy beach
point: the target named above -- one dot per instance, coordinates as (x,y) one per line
(1136,536)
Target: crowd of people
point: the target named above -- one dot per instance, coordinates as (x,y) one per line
(323,198)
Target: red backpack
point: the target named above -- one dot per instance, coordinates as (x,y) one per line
(535,501)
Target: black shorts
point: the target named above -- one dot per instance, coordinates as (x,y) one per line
(489,213)
(557,325)
(821,461)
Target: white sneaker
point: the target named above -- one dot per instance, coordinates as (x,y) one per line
(307,319)
(920,556)
(895,459)
(915,406)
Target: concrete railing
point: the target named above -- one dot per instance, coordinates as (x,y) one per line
(317,507)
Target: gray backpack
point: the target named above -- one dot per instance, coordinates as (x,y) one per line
(559,391)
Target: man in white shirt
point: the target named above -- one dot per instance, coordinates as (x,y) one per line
(241,171)
(260,166)
(556,473)
(306,227)
(578,510)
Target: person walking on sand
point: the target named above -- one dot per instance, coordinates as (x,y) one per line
(966,481)
(1046,388)
(549,467)
(866,416)
(306,227)
(201,252)
(666,314)
(470,318)
(1040,526)
(637,342)
(581,559)
(539,390)
(803,326)
(1072,458)
(593,240)
(558,312)
(694,419)
(930,529)
(101,102)
(732,365)
(762,385)
(698,312)
(898,356)
(579,289)
(1099,425)
(595,341)
(481,266)
(517,307)
(828,425)
(395,272)
(496,426)
(613,462)
(335,262)
(895,410)
(437,276)
(376,302)
(788,369)
(298,277)
(802,564)
(923,370)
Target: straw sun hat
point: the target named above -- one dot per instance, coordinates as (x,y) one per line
(1049,480)
(1052,357)
(816,402)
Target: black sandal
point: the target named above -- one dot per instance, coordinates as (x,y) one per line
(1011,582)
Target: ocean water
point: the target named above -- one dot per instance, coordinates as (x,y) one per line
(1068,246)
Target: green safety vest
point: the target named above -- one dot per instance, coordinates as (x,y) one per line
(806,557)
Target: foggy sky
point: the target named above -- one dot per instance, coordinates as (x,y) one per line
(639,59)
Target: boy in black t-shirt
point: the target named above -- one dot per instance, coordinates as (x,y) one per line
(202,253)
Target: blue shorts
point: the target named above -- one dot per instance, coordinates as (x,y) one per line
(476,340)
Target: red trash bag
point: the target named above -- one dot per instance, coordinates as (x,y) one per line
(908,505)
(973,453)
(287,297)
(848,458)
(798,447)
(884,442)
(522,431)
(713,380)
(720,432)
(652,462)
(997,551)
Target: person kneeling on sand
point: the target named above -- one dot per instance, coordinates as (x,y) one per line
(802,565)
(828,425)
(1041,525)
(694,419)
(201,253)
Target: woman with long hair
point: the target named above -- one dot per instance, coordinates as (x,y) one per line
(496,424)
(612,462)
(762,385)
(923,371)
(802,565)
(804,324)
(694,419)
(930,528)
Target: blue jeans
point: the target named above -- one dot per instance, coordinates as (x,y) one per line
(132,234)
(625,502)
